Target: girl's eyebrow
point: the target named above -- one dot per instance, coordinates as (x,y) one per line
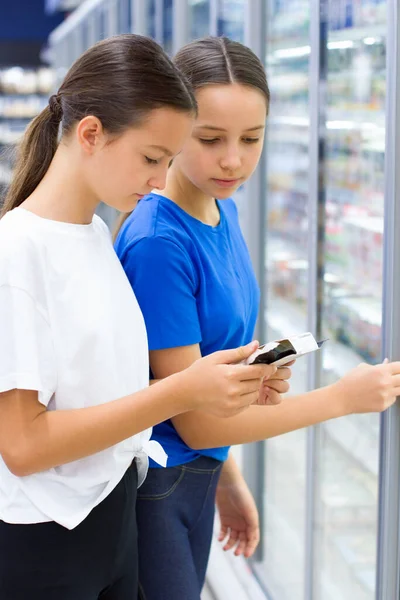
(162,148)
(213,128)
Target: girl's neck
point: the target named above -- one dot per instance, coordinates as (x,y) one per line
(62,194)
(190,198)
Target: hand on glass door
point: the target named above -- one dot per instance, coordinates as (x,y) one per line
(369,388)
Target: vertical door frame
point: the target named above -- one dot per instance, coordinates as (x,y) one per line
(112,13)
(180,24)
(316,256)
(387,579)
(253,226)
(214,9)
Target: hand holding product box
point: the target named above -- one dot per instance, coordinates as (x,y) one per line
(282,352)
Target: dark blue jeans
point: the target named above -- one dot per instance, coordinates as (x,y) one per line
(175,516)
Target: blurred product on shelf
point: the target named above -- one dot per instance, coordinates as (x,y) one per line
(355,140)
(24,92)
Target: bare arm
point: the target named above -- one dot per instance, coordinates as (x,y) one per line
(237,509)
(365,389)
(33,438)
(261,422)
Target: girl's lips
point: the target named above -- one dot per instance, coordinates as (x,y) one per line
(226,182)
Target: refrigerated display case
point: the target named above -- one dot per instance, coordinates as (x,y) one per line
(286,284)
(346,450)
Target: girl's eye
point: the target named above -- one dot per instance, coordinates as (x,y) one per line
(208,141)
(151,161)
(251,140)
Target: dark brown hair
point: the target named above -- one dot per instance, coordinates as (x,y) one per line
(219,60)
(119,80)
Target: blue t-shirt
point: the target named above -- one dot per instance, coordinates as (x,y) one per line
(195,285)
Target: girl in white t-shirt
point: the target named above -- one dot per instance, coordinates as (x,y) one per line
(75,407)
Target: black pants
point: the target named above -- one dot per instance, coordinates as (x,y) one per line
(95,561)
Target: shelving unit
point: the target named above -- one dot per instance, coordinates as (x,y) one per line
(346,467)
(23,94)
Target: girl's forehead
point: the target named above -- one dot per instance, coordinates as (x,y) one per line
(228,108)
(231,98)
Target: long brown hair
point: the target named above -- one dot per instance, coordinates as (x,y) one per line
(217,60)
(119,80)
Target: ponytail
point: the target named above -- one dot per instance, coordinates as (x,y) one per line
(35,153)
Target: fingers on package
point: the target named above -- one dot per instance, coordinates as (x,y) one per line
(281,352)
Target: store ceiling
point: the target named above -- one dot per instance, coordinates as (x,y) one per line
(24,29)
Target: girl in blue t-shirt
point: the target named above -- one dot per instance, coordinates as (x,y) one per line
(184,254)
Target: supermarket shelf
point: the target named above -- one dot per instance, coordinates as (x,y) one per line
(357,34)
(345,121)
(341,39)
(18,82)
(10,137)
(23,106)
(343,194)
(25,118)
(373,224)
(5,175)
(291,121)
(23,94)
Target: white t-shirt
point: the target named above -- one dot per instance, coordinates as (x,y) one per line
(70,328)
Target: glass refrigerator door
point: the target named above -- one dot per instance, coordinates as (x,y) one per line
(102,15)
(348,448)
(231,15)
(199,18)
(288,138)
(167,7)
(124,19)
(151,19)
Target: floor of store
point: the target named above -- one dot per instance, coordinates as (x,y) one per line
(207,595)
